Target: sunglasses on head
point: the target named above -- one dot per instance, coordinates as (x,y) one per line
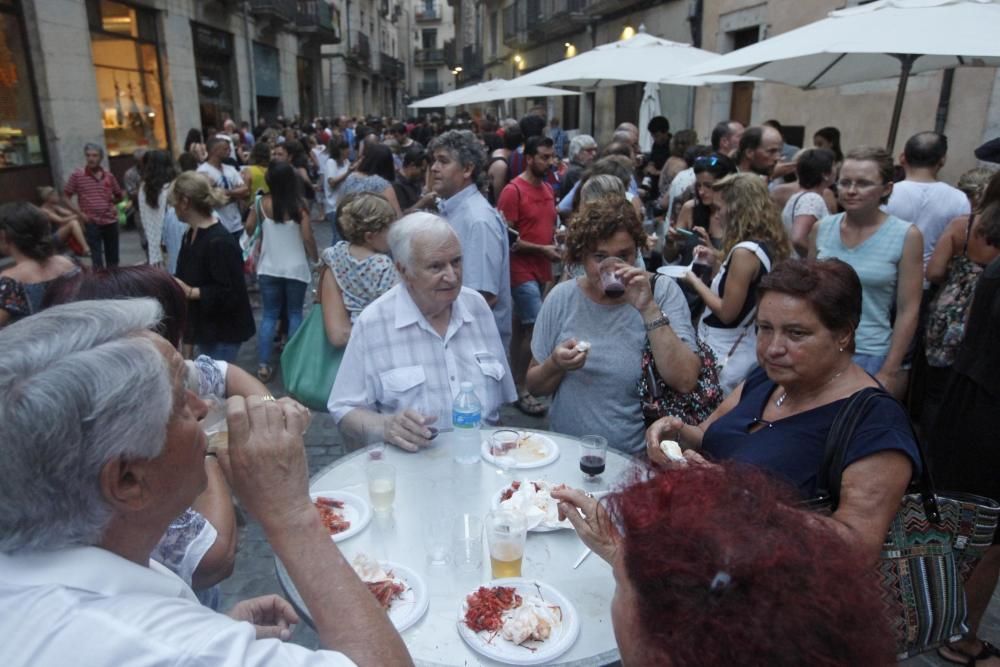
(710,160)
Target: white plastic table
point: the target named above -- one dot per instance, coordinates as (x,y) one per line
(431,483)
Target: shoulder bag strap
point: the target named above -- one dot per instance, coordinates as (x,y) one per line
(968,233)
(829,478)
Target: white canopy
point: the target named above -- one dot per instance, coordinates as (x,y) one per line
(488,91)
(879,40)
(640,58)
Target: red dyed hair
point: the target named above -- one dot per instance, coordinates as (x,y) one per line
(797,594)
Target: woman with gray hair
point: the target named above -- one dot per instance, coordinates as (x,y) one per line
(411,349)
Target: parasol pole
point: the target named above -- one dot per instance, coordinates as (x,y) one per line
(906,62)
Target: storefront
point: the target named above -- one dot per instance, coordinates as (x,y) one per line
(23,162)
(214,60)
(126,58)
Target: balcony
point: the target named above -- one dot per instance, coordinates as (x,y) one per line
(390,67)
(361,52)
(427,12)
(425,57)
(315,19)
(275,12)
(428,89)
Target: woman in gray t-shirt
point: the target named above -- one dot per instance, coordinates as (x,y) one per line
(587,346)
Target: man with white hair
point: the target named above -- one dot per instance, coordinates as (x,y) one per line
(100,449)
(411,348)
(582,151)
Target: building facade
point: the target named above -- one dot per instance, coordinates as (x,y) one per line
(141,73)
(432,58)
(366,70)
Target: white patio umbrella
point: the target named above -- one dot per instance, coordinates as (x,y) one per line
(640,58)
(880,40)
(488,91)
(649,108)
(504,89)
(442,100)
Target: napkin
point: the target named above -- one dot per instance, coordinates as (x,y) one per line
(537,507)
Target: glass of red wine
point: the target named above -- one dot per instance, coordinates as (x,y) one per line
(610,282)
(593,454)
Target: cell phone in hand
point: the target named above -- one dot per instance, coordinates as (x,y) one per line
(686,233)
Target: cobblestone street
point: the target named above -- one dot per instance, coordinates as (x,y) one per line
(255,570)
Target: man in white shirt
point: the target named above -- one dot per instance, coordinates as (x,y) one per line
(228,178)
(84,500)
(411,348)
(922,199)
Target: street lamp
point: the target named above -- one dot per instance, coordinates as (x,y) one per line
(628,32)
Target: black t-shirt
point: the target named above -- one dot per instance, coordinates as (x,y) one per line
(979,356)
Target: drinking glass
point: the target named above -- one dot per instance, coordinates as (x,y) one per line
(381,485)
(506,533)
(610,282)
(437,539)
(376,451)
(467,542)
(502,445)
(593,455)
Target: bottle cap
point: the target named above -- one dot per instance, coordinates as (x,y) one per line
(466,386)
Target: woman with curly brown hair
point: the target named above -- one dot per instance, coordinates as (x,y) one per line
(587,345)
(754,238)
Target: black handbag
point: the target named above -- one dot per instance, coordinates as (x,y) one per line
(933,543)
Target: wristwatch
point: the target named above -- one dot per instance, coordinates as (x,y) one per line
(660,321)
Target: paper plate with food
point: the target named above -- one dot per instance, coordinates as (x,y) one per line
(518,621)
(528,450)
(398,589)
(344,514)
(533,500)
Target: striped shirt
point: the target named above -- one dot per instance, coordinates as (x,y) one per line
(396,361)
(96,191)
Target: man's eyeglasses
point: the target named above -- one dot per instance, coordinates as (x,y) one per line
(860,185)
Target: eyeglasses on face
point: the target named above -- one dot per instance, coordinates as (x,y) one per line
(859,185)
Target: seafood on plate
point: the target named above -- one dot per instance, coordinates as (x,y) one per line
(331,514)
(380,582)
(501,611)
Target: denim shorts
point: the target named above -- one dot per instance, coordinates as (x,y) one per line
(527,301)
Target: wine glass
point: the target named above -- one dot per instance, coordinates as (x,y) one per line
(593,454)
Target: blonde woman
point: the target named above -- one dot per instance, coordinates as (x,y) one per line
(210,271)
(359,270)
(754,239)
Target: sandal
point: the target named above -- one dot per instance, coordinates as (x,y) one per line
(530,405)
(988,651)
(264,373)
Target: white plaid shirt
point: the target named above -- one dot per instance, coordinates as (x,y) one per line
(395,360)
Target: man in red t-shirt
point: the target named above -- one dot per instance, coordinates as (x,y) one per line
(529,206)
(97,191)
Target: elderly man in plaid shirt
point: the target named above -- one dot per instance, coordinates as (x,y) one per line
(412,347)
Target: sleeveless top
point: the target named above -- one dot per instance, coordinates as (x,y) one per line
(282,253)
(257,181)
(876,261)
(750,302)
(361,281)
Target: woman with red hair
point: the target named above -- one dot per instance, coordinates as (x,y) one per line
(714,567)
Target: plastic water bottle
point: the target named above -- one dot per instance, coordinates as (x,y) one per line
(466,418)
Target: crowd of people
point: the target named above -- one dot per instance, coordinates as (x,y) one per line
(759,284)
